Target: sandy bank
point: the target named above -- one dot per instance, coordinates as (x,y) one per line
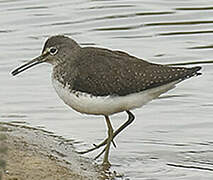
(35,154)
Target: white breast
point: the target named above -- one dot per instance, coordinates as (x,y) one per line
(107,105)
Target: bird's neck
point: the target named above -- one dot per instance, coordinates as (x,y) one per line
(64,73)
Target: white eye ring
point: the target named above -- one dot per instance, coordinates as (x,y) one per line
(53,50)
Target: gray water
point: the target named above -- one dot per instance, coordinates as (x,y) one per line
(171,137)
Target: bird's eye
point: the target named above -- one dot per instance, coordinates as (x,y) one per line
(53,50)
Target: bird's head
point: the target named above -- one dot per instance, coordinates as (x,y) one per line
(55,51)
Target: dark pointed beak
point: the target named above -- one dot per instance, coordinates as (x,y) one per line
(37,60)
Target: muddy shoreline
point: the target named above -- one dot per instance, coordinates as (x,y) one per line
(30,153)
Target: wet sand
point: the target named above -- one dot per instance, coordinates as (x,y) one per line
(36,154)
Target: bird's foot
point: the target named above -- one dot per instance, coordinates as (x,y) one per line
(106,165)
(96,157)
(97,147)
(104,142)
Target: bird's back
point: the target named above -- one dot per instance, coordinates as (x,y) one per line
(103,72)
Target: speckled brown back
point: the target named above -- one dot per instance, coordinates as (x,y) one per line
(102,72)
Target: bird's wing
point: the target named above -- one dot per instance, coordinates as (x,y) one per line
(103,72)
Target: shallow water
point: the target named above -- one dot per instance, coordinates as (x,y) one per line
(171,137)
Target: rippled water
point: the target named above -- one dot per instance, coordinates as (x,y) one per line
(171,137)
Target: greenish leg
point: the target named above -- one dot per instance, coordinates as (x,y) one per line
(131,118)
(109,140)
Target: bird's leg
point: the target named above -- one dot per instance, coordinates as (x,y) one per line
(131,118)
(121,128)
(109,140)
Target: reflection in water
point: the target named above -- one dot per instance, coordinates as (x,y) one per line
(195,8)
(172,136)
(184,33)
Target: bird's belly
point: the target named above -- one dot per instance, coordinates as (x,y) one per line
(106,105)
